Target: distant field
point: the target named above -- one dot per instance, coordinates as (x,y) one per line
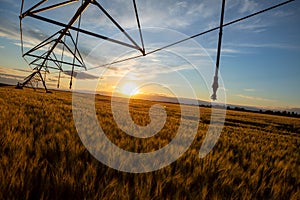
(41,155)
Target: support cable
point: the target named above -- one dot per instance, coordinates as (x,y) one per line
(83,31)
(84,5)
(79,58)
(117,25)
(117,61)
(32,8)
(53,6)
(196,35)
(139,26)
(224,25)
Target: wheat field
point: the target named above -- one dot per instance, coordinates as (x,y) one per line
(42,157)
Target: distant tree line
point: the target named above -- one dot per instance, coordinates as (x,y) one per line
(270,112)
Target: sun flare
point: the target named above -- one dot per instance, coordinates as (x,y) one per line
(129,89)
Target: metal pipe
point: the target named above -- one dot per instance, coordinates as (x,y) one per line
(118,25)
(215,84)
(22,15)
(63,32)
(53,6)
(139,26)
(63,62)
(83,31)
(216,28)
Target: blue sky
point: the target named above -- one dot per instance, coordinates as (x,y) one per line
(260,61)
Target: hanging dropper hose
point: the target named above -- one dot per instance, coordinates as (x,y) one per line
(75,51)
(215,84)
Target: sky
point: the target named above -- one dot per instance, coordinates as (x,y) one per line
(260,58)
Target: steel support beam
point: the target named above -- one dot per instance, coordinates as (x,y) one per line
(62,34)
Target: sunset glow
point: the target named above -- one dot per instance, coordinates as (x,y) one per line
(129,89)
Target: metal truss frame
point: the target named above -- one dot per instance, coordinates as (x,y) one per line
(47,56)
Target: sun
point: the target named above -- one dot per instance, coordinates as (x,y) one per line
(129,89)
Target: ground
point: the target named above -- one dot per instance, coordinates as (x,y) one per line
(42,156)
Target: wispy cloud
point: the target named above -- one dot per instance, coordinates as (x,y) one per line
(154,13)
(213,51)
(139,70)
(10,3)
(12,76)
(81,75)
(265,45)
(254,98)
(255,25)
(249,90)
(280,13)
(248,6)
(11,31)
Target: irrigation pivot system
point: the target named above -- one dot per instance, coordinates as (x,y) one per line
(51,53)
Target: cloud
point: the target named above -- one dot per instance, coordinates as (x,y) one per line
(254,98)
(213,51)
(5,70)
(12,76)
(80,75)
(255,25)
(147,67)
(280,13)
(248,6)
(175,14)
(33,33)
(259,23)
(154,13)
(249,90)
(10,30)
(2,47)
(11,3)
(168,13)
(265,45)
